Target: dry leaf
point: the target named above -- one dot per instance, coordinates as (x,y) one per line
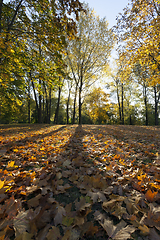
(60,212)
(21,223)
(144,230)
(153,235)
(150,196)
(53,234)
(34,202)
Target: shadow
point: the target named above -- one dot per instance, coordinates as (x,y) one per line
(130,133)
(46,131)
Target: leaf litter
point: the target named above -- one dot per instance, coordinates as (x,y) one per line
(79,182)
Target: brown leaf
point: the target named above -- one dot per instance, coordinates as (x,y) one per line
(79,221)
(53,234)
(43,233)
(71,234)
(144,230)
(34,202)
(21,223)
(94,196)
(114,207)
(118,232)
(67,163)
(153,234)
(131,207)
(25,236)
(60,212)
(124,233)
(2,197)
(90,229)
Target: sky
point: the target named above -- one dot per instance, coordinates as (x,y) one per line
(108,8)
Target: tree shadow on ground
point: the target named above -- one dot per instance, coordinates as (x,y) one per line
(33,137)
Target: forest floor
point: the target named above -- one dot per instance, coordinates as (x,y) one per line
(79,182)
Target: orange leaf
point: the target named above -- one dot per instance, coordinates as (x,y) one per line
(150,195)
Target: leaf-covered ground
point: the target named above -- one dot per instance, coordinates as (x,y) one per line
(73,182)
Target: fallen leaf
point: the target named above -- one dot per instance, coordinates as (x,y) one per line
(153,235)
(67,221)
(60,212)
(1,184)
(21,223)
(34,202)
(144,230)
(53,234)
(150,196)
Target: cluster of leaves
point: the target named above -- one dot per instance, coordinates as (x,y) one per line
(74,182)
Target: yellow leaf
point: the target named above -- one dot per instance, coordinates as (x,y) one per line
(15,150)
(10,164)
(1,184)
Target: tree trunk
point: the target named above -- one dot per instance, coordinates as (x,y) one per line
(29,104)
(74,105)
(80,101)
(47,104)
(68,106)
(145,103)
(35,96)
(156,105)
(57,108)
(80,107)
(122,105)
(49,107)
(40,106)
(43,109)
(119,105)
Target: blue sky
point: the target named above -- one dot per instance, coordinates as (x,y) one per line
(108,8)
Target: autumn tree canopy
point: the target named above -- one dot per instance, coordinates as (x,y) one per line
(88,52)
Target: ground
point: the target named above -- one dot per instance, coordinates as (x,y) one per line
(74,182)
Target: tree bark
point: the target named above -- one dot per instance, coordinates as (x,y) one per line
(29,104)
(35,96)
(122,104)
(57,108)
(46,105)
(156,106)
(74,105)
(80,101)
(119,104)
(68,105)
(145,103)
(40,106)
(49,107)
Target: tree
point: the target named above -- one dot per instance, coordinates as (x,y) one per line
(138,35)
(139,30)
(88,52)
(39,23)
(97,106)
